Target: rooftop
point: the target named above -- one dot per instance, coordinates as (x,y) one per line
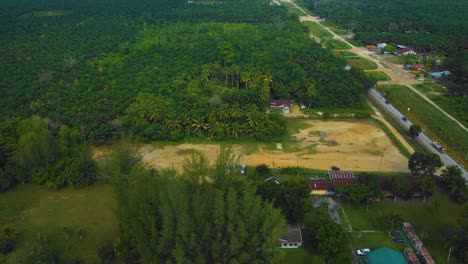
(385,255)
(294,235)
(341,177)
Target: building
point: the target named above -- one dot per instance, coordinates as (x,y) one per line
(425,256)
(381,45)
(410,257)
(412,237)
(339,178)
(319,186)
(372,47)
(405,51)
(283,104)
(385,255)
(440,74)
(292,239)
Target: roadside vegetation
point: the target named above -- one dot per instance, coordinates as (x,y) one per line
(326,37)
(378,75)
(430,119)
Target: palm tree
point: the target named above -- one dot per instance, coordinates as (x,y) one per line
(172,124)
(449,173)
(199,124)
(246,77)
(311,91)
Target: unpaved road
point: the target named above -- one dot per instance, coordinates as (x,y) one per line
(394,71)
(351,145)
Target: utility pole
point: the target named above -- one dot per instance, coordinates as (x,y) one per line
(450,252)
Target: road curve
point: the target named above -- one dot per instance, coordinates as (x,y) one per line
(422,139)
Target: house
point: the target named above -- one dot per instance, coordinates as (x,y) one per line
(319,186)
(385,255)
(425,256)
(440,74)
(302,105)
(341,178)
(274,179)
(381,45)
(410,257)
(418,67)
(372,47)
(405,51)
(283,104)
(292,239)
(401,46)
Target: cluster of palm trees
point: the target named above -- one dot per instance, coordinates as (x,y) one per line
(452,177)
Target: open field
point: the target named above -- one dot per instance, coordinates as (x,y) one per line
(353,145)
(326,37)
(435,123)
(455,106)
(378,75)
(432,221)
(34,210)
(361,63)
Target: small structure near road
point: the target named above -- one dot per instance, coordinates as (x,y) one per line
(339,178)
(385,255)
(283,104)
(405,51)
(440,74)
(292,239)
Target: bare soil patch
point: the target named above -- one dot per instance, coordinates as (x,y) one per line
(351,145)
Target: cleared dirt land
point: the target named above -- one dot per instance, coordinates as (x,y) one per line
(315,144)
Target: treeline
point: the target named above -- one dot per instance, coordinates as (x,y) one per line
(37,150)
(434,25)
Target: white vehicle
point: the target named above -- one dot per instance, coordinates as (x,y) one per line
(362,251)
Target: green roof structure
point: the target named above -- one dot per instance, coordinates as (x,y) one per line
(385,255)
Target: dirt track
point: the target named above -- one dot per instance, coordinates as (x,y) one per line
(356,146)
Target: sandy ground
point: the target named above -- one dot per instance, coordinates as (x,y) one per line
(351,145)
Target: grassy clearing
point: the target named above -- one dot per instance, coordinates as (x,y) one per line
(345,53)
(336,44)
(32,209)
(317,30)
(335,28)
(301,255)
(432,221)
(433,122)
(378,75)
(373,240)
(455,106)
(361,63)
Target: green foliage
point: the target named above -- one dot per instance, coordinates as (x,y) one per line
(391,221)
(292,197)
(214,218)
(327,236)
(7,240)
(40,252)
(378,75)
(414,130)
(382,20)
(356,193)
(424,164)
(453,178)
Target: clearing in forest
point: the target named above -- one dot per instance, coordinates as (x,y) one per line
(315,144)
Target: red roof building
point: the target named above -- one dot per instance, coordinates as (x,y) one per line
(418,67)
(319,184)
(341,177)
(410,256)
(405,51)
(281,103)
(426,257)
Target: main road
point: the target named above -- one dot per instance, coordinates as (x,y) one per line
(422,138)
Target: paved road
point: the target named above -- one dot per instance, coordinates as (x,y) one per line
(422,138)
(396,73)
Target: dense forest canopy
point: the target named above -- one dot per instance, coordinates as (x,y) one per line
(137,67)
(428,25)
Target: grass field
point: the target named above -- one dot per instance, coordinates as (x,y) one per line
(293,10)
(432,221)
(301,256)
(34,210)
(335,28)
(336,44)
(455,106)
(378,75)
(317,30)
(436,124)
(345,53)
(361,63)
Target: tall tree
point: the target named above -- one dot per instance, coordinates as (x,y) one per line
(214,220)
(424,164)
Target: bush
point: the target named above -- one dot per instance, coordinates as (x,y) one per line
(106,252)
